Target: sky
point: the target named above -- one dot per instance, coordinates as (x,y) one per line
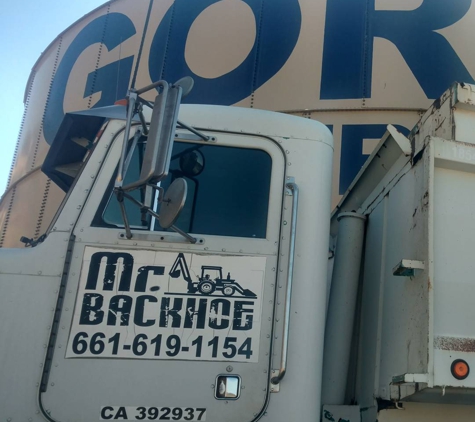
(27,27)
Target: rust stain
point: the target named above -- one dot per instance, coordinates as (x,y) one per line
(429,284)
(456,344)
(425,201)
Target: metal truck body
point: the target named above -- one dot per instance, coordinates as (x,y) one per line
(108,332)
(96,336)
(414,288)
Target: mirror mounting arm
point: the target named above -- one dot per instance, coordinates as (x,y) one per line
(142,120)
(190,238)
(121,194)
(157,154)
(197,133)
(120,198)
(150,87)
(128,158)
(131,101)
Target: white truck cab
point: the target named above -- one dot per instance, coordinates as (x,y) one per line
(185,276)
(115,317)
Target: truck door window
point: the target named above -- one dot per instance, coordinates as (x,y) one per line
(228,191)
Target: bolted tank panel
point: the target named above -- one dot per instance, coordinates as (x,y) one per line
(356,66)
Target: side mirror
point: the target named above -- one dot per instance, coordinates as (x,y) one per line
(157,154)
(160,136)
(192,163)
(173,202)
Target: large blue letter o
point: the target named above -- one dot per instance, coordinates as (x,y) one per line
(278,27)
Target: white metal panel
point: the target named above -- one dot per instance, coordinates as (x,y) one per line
(258,122)
(424,319)
(454,240)
(300,391)
(454,287)
(29,303)
(72,377)
(394,326)
(404,343)
(29,282)
(309,296)
(465,124)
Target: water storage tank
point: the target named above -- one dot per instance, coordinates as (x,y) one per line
(354,65)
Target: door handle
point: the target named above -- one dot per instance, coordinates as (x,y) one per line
(292,187)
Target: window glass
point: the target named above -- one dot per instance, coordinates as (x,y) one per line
(228,190)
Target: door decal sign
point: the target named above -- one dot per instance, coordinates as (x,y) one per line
(167,305)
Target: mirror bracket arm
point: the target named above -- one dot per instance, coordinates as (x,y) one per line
(161,191)
(190,238)
(142,119)
(157,155)
(121,194)
(196,132)
(120,198)
(131,100)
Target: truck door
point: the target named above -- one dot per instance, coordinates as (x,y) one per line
(158,328)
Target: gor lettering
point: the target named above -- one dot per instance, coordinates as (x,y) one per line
(166,59)
(347,57)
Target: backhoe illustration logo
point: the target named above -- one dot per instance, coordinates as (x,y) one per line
(211,280)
